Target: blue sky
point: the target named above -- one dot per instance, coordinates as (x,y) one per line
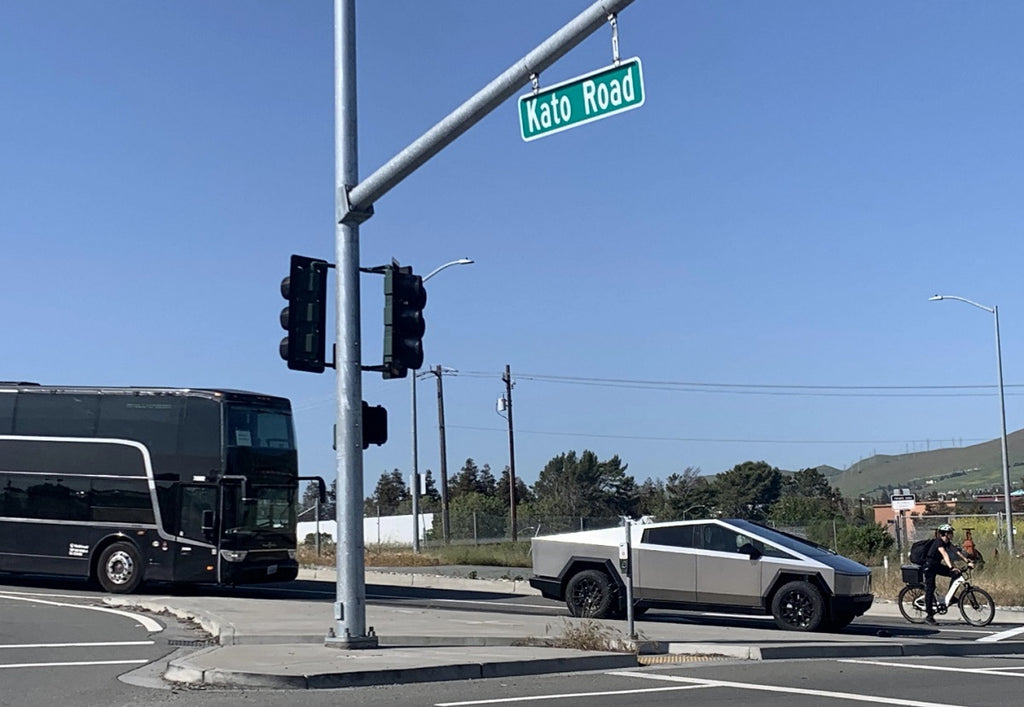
(801,178)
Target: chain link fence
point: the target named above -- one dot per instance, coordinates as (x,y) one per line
(480,528)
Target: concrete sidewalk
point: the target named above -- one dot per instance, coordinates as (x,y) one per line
(280,643)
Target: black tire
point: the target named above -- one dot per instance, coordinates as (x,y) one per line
(911,603)
(977,607)
(119,569)
(798,606)
(590,594)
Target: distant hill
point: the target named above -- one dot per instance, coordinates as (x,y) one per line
(974,469)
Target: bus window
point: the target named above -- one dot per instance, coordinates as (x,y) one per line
(118,501)
(152,420)
(6,413)
(259,428)
(200,430)
(53,415)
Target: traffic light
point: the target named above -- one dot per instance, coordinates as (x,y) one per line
(404,300)
(375,425)
(305,317)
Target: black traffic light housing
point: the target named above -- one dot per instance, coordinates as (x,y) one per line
(375,425)
(305,317)
(404,300)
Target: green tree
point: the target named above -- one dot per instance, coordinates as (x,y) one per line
(472,479)
(310,495)
(474,516)
(800,510)
(651,499)
(748,490)
(809,483)
(864,543)
(391,496)
(689,495)
(523,493)
(807,497)
(572,487)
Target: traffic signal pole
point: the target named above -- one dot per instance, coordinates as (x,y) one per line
(354,204)
(350,630)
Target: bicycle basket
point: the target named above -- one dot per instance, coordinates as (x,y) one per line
(911,574)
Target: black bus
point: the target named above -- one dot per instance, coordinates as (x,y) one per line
(123,485)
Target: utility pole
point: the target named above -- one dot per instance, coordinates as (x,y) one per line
(445,524)
(511,455)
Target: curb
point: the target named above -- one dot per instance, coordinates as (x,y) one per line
(179,671)
(223,631)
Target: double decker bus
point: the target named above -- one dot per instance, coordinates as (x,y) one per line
(122,485)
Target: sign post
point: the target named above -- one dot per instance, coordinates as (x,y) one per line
(584,99)
(902,501)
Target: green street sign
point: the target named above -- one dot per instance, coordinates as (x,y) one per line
(596,95)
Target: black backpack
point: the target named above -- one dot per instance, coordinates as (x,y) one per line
(919,551)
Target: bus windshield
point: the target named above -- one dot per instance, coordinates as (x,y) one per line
(265,508)
(259,428)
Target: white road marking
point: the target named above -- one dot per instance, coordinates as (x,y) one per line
(72,664)
(149,624)
(996,637)
(567,696)
(104,644)
(787,690)
(1001,668)
(941,668)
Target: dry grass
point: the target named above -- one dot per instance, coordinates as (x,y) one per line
(589,635)
(375,556)
(383,555)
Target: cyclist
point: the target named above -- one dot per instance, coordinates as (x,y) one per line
(939,560)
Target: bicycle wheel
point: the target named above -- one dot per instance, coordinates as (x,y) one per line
(911,601)
(977,607)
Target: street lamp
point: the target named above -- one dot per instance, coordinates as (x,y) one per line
(415,455)
(1002,414)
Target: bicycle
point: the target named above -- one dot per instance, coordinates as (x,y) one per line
(976,605)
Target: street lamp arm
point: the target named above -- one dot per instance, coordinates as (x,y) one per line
(936,298)
(1002,414)
(435,271)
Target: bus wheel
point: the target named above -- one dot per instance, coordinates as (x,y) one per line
(119,570)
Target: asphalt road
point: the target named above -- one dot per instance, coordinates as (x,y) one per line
(59,648)
(56,648)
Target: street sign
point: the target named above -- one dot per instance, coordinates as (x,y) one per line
(584,99)
(903,502)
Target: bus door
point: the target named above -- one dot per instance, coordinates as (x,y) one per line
(197,556)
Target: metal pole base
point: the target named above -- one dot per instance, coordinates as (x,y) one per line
(350,642)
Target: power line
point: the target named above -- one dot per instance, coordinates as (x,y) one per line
(760,388)
(712,440)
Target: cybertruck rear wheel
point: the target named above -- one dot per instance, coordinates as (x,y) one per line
(590,594)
